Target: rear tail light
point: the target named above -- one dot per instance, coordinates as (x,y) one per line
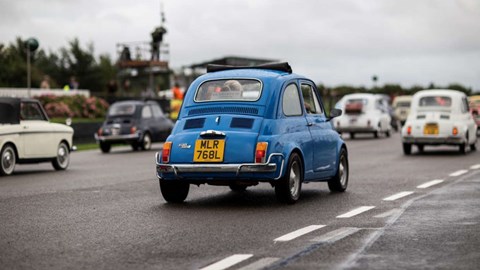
(261,152)
(133,130)
(409,130)
(167,146)
(100,131)
(455,131)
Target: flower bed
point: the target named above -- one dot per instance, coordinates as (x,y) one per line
(77,106)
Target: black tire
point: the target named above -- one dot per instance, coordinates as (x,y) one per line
(407,148)
(237,188)
(339,182)
(62,160)
(375,134)
(105,147)
(174,191)
(146,143)
(288,188)
(352,135)
(135,146)
(473,147)
(420,148)
(461,148)
(387,133)
(8,159)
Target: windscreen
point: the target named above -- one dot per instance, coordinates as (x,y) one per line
(121,109)
(229,89)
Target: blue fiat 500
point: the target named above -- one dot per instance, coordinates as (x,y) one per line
(239,126)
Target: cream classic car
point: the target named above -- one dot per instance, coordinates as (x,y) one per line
(363,113)
(27,136)
(439,117)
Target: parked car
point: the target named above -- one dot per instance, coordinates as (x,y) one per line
(439,117)
(363,113)
(401,106)
(474,104)
(27,136)
(240,126)
(138,123)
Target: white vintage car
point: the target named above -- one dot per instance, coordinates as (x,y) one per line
(27,136)
(439,117)
(363,113)
(401,106)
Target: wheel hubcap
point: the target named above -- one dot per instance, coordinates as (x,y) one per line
(146,142)
(294,179)
(62,155)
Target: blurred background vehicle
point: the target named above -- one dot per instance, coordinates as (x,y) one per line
(401,107)
(27,136)
(138,123)
(474,104)
(363,113)
(439,117)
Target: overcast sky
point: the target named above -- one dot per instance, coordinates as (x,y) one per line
(409,42)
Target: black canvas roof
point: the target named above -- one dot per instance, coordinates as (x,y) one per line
(282,66)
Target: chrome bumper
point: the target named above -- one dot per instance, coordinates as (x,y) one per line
(434,140)
(266,167)
(126,137)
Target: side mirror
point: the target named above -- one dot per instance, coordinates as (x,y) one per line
(334,113)
(68,121)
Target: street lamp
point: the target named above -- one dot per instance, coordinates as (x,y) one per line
(31,45)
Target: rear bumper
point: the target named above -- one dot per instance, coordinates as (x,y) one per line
(433,140)
(234,169)
(356,129)
(118,138)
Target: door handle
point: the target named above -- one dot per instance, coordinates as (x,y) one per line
(309,124)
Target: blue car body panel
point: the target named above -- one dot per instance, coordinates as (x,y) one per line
(244,123)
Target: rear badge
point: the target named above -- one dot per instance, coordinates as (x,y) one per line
(184,146)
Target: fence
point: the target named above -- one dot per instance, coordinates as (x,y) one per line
(25,92)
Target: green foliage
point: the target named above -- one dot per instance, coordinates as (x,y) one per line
(74,106)
(73,60)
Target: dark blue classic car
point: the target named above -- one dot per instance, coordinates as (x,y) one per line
(239,126)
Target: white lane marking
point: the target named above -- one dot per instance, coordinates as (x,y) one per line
(458,173)
(475,167)
(356,211)
(398,196)
(298,233)
(335,235)
(260,264)
(430,183)
(227,262)
(388,213)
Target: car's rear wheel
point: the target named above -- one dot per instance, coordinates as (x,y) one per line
(420,148)
(339,182)
(105,147)
(174,191)
(387,133)
(289,186)
(407,148)
(352,135)
(8,160)
(375,134)
(461,148)
(473,147)
(146,143)
(134,146)
(62,160)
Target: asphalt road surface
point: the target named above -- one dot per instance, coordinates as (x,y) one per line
(106,212)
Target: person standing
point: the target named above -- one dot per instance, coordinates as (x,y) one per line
(45,84)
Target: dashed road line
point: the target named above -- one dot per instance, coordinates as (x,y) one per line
(227,262)
(356,211)
(260,264)
(458,173)
(335,235)
(398,196)
(430,183)
(475,167)
(298,233)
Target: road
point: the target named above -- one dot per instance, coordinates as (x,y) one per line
(106,212)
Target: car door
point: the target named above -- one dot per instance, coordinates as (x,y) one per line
(162,125)
(323,136)
(468,120)
(37,136)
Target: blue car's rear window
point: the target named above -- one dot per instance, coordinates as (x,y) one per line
(229,89)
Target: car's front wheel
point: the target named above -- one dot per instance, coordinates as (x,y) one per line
(339,182)
(62,160)
(105,147)
(174,191)
(289,186)
(8,160)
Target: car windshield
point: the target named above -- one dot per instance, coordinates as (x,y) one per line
(229,89)
(403,104)
(357,100)
(121,109)
(435,101)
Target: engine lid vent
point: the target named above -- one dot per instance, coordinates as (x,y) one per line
(194,123)
(241,123)
(234,110)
